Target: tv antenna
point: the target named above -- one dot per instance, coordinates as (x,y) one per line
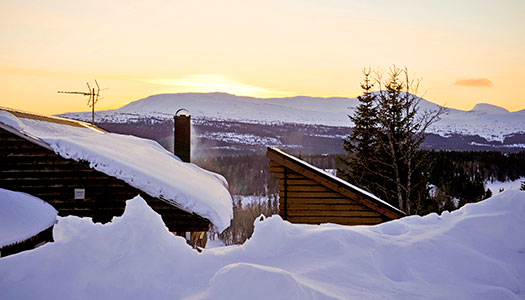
(93,97)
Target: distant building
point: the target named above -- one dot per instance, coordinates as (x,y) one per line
(310,195)
(30,163)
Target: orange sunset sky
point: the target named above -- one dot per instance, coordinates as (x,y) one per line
(466,52)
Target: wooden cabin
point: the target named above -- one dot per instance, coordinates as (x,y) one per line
(27,164)
(312,196)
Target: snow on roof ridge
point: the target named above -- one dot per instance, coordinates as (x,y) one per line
(54,119)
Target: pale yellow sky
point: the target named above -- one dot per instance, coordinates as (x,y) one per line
(466,53)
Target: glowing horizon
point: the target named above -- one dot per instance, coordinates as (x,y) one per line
(466,53)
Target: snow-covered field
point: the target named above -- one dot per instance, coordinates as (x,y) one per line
(498,187)
(476,252)
(246,139)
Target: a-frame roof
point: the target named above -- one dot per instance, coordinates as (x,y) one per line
(332,182)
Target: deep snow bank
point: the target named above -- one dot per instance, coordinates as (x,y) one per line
(22,216)
(477,252)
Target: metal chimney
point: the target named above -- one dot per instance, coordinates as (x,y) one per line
(182,143)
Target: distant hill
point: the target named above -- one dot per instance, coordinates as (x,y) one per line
(488,121)
(233,124)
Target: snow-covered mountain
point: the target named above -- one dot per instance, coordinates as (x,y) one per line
(488,121)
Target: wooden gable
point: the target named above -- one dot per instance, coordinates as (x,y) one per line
(31,166)
(310,195)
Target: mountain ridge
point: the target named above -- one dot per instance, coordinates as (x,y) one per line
(488,121)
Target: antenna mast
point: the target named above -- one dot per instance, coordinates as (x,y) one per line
(93,97)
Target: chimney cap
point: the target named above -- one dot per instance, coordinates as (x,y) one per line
(183,112)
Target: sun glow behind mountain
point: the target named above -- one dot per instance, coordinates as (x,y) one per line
(204,83)
(258,48)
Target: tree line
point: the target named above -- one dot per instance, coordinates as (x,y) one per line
(453,171)
(454,179)
(384,154)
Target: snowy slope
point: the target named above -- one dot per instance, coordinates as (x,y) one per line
(22,216)
(488,121)
(497,187)
(476,252)
(141,163)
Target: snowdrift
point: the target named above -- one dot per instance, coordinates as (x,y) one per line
(22,216)
(476,252)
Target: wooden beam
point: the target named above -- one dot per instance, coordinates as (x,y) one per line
(291,175)
(274,164)
(337,220)
(330,201)
(304,188)
(277,169)
(316,207)
(331,213)
(301,182)
(311,194)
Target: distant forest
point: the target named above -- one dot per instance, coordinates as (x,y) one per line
(457,175)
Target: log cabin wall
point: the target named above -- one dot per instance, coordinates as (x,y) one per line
(306,196)
(33,168)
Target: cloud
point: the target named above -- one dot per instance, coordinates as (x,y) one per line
(474,82)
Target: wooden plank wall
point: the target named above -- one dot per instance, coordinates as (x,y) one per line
(33,169)
(302,200)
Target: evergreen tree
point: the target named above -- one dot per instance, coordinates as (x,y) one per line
(384,154)
(361,143)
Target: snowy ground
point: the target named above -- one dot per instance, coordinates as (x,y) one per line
(23,216)
(476,252)
(498,186)
(247,199)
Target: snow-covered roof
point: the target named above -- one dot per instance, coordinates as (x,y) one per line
(23,216)
(142,163)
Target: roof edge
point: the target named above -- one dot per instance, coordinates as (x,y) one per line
(59,120)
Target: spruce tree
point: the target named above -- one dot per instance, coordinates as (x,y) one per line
(361,143)
(384,148)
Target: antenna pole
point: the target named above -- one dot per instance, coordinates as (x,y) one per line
(93,98)
(93,106)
